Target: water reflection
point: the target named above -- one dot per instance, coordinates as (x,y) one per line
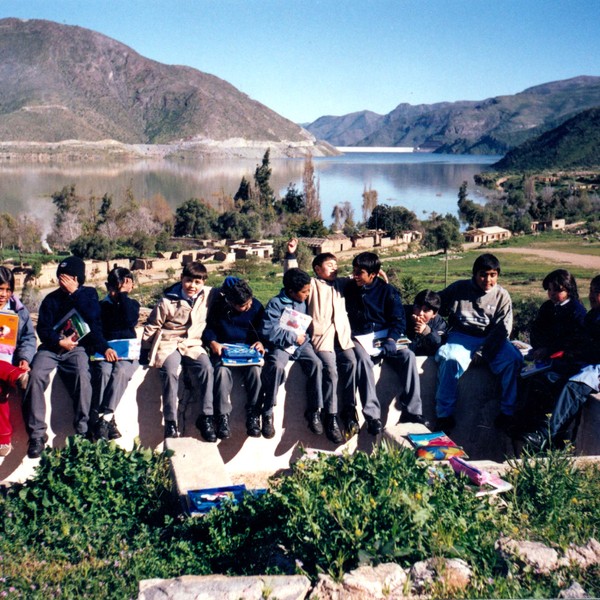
(421,182)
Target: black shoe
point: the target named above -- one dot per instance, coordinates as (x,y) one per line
(445,424)
(223,431)
(113,431)
(504,422)
(314,421)
(332,429)
(350,421)
(101,429)
(374,426)
(535,441)
(268,429)
(207,427)
(406,417)
(36,447)
(171,430)
(253,425)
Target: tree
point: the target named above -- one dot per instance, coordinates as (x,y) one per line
(311,190)
(369,197)
(342,214)
(262,178)
(394,219)
(235,225)
(293,201)
(66,202)
(94,246)
(194,218)
(442,233)
(244,192)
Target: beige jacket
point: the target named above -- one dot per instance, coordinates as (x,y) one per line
(327,307)
(174,325)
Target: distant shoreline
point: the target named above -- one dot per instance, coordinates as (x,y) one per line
(373,149)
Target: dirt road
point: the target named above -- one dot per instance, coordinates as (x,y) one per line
(556,257)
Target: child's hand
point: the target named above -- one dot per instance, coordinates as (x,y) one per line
(300,339)
(292,245)
(23,364)
(258,346)
(68,283)
(216,348)
(126,286)
(67,344)
(111,356)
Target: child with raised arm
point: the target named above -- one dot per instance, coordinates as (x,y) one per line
(65,351)
(17,348)
(234,318)
(172,339)
(119,315)
(375,306)
(480,318)
(285,344)
(424,327)
(332,341)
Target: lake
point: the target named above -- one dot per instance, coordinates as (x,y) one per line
(421,182)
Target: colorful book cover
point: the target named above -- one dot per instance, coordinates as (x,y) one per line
(9,328)
(204,500)
(486,483)
(128,349)
(241,355)
(292,320)
(72,326)
(435,446)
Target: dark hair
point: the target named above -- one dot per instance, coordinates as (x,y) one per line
(295,279)
(369,261)
(319,259)
(195,270)
(486,262)
(595,284)
(236,291)
(7,276)
(117,276)
(561,278)
(429,299)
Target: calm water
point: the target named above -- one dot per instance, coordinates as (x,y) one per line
(421,182)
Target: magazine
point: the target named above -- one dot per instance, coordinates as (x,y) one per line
(241,355)
(292,320)
(372,342)
(435,446)
(9,328)
(202,501)
(72,326)
(128,349)
(486,483)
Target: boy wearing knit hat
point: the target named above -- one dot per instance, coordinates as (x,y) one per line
(66,352)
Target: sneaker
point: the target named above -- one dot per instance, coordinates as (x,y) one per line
(332,429)
(268,429)
(113,431)
(23,380)
(253,425)
(314,421)
(5,449)
(350,420)
(207,427)
(171,429)
(101,429)
(36,447)
(407,417)
(535,441)
(374,426)
(445,424)
(223,430)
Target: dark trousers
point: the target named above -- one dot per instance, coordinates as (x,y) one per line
(224,385)
(109,382)
(339,365)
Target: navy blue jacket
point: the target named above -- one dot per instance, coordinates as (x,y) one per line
(57,304)
(427,343)
(226,325)
(119,316)
(375,307)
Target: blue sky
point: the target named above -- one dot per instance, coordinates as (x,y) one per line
(309,58)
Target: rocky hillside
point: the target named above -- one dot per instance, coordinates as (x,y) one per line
(574,144)
(60,82)
(491,126)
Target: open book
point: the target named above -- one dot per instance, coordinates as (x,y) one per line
(72,326)
(486,482)
(372,342)
(292,320)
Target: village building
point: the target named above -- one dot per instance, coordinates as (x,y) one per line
(486,235)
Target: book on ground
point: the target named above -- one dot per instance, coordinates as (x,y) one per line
(486,482)
(202,501)
(9,328)
(372,342)
(435,446)
(241,355)
(127,349)
(72,326)
(292,320)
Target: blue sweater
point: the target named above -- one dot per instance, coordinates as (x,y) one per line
(226,325)
(119,317)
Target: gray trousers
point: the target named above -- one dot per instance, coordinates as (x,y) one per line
(224,385)
(338,365)
(109,382)
(273,375)
(199,374)
(404,364)
(73,368)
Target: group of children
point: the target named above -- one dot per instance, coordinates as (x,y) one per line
(337,328)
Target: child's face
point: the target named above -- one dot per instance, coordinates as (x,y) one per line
(191,285)
(243,307)
(5,294)
(300,295)
(423,313)
(327,270)
(594,297)
(486,280)
(557,293)
(361,277)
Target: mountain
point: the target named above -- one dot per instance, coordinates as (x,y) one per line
(575,143)
(60,82)
(491,126)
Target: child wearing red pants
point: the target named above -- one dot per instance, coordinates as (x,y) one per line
(17,347)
